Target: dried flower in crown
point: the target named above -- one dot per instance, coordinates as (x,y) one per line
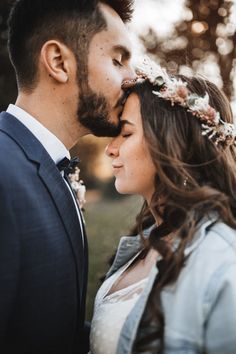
(175,90)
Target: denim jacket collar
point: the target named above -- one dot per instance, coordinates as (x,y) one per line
(131,245)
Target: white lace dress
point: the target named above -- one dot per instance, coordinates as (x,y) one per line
(110,312)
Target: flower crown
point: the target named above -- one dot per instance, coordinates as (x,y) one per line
(175,90)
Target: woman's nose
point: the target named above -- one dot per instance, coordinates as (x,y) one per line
(112,149)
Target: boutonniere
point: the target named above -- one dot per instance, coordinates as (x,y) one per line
(78,187)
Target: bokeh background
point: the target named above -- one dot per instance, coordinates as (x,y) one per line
(187,36)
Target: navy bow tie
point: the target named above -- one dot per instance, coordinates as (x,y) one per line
(68,166)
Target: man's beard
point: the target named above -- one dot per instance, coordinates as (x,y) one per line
(94,111)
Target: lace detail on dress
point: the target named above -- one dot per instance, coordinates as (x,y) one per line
(127,293)
(111,311)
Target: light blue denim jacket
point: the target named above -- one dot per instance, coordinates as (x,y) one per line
(200,307)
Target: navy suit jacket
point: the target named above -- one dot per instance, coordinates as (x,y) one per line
(43,263)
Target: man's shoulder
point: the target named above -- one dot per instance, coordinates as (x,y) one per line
(13,159)
(9,149)
(5,136)
(17,143)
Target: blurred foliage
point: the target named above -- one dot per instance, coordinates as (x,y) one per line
(207,31)
(106,222)
(90,151)
(8,89)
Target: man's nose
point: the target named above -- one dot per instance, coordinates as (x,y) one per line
(130,78)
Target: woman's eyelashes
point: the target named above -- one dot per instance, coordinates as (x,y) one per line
(125,134)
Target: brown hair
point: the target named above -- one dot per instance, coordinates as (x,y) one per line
(32,23)
(193,178)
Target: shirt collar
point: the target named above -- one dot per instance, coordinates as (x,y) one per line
(55,148)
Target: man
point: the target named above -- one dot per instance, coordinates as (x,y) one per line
(72,64)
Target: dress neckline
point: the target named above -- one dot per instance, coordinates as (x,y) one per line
(118,274)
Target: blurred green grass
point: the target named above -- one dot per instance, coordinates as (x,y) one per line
(106,221)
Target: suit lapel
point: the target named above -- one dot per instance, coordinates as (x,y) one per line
(54,182)
(64,203)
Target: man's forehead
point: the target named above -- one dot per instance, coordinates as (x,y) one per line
(115,36)
(108,11)
(113,21)
(113,42)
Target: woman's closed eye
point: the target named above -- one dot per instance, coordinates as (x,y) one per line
(126,134)
(127,128)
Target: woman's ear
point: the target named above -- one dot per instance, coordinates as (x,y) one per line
(56,58)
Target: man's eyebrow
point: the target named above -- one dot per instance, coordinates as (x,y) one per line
(125,121)
(126,53)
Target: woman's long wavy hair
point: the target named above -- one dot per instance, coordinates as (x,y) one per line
(194,177)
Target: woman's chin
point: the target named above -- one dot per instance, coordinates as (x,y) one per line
(123,189)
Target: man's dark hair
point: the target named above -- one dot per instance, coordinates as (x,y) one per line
(73,22)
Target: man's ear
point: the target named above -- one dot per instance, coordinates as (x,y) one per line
(57,60)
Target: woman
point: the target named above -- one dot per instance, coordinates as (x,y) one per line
(173,289)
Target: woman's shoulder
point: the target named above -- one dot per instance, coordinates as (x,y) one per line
(211,266)
(206,285)
(224,235)
(218,244)
(210,261)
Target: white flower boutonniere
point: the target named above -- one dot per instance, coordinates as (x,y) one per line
(78,187)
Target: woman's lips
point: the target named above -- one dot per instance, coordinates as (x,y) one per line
(116,168)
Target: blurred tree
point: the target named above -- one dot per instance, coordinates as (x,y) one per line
(207,31)
(93,169)
(8,89)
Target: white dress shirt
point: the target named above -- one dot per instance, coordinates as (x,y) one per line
(55,148)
